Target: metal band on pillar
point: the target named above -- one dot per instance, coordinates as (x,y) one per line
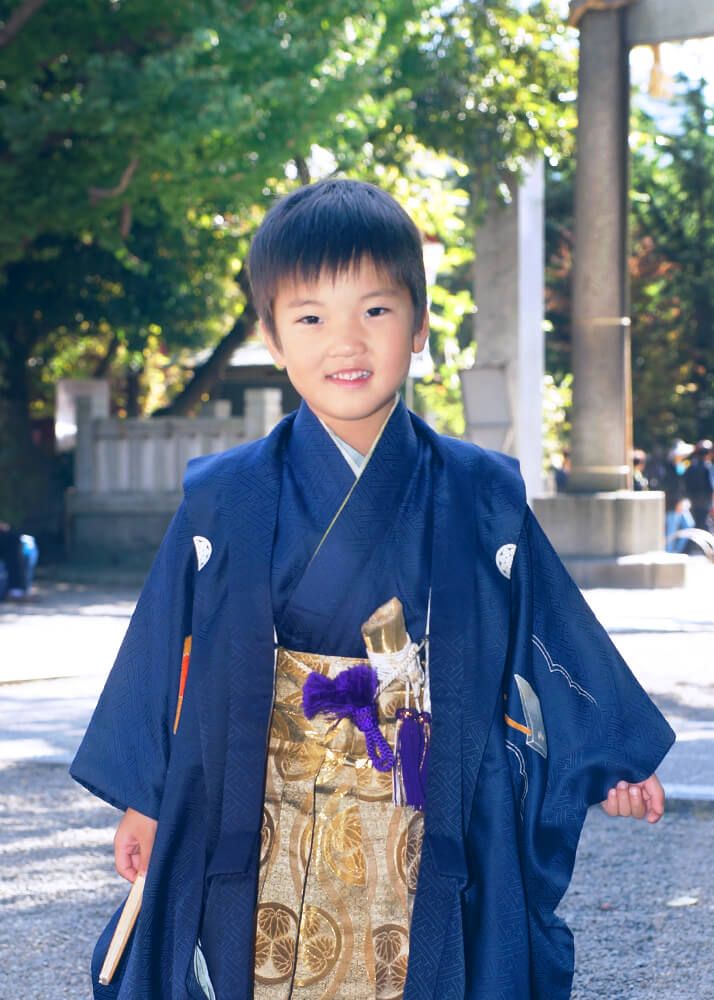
(580,7)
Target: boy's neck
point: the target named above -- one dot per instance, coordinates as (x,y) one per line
(356,434)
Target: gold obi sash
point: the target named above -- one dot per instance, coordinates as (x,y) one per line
(297,739)
(339,861)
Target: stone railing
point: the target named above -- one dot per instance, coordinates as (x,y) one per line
(120,456)
(128,473)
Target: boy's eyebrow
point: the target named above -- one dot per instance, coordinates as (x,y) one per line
(298,303)
(378,292)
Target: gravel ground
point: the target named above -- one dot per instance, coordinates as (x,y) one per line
(58,888)
(631,941)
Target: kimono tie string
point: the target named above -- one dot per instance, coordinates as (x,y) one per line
(350,695)
(403,664)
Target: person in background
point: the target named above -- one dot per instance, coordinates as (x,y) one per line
(562,472)
(639,480)
(656,467)
(677,506)
(698,481)
(11,554)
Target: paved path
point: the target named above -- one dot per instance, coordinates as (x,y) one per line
(667,637)
(55,653)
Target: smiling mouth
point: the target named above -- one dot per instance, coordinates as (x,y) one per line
(350,375)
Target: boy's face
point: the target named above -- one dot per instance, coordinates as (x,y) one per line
(346,344)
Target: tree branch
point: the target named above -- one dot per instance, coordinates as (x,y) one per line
(126,220)
(18,19)
(205,377)
(97,194)
(210,372)
(101,369)
(303,171)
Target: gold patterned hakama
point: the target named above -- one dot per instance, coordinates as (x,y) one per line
(339,860)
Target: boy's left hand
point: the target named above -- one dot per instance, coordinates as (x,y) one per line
(640,801)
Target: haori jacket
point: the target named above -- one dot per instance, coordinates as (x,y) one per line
(534,713)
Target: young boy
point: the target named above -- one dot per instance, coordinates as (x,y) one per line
(278,862)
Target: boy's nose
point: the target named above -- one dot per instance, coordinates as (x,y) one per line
(347,342)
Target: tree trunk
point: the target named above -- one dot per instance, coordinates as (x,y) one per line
(101,369)
(133,392)
(22,466)
(205,378)
(18,19)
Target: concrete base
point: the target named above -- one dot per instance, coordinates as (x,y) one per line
(605,525)
(120,529)
(611,539)
(645,571)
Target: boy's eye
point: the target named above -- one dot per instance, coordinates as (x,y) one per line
(377,310)
(309,320)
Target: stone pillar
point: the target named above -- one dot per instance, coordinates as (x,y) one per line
(602,412)
(263,410)
(607,534)
(84,453)
(503,391)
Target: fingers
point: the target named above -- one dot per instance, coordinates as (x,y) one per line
(131,858)
(610,803)
(640,801)
(133,843)
(638,807)
(619,802)
(653,794)
(623,799)
(126,859)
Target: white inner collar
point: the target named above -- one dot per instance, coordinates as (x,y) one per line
(355,459)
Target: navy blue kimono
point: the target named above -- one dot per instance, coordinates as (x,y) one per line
(535,715)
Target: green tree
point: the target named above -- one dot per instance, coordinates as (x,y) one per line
(491,85)
(673,272)
(139,143)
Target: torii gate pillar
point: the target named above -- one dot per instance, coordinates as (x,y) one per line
(607,534)
(602,409)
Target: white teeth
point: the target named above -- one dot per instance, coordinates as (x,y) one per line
(349,376)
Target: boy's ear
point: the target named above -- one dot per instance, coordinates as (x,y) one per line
(420,337)
(271,344)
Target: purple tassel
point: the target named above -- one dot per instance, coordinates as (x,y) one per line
(412,757)
(352,688)
(350,695)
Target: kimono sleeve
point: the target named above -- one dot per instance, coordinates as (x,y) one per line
(576,722)
(125,751)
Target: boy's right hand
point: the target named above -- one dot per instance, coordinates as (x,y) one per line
(133,842)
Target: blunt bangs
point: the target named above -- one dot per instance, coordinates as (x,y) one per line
(327,229)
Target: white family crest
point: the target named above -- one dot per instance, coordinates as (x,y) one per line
(204,550)
(504,559)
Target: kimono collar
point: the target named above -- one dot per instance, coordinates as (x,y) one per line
(344,545)
(355,459)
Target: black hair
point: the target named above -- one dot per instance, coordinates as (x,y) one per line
(328,228)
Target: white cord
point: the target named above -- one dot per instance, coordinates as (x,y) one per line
(405,663)
(427,689)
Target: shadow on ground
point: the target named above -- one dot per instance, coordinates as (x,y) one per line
(58,885)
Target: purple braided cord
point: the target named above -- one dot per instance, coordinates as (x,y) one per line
(380,752)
